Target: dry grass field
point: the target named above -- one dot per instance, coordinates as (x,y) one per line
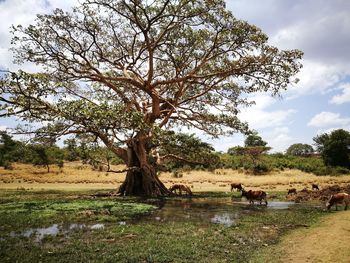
(77,176)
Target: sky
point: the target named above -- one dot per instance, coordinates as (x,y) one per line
(318,103)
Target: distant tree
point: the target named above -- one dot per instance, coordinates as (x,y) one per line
(10,150)
(254,152)
(236,150)
(252,155)
(42,155)
(178,149)
(71,149)
(100,157)
(334,148)
(254,139)
(300,149)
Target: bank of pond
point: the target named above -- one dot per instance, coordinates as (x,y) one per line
(58,226)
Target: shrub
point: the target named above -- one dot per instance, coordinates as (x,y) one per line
(261,168)
(177,174)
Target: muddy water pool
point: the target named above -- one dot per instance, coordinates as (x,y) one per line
(224,211)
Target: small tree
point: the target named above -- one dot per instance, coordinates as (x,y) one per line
(236,150)
(300,149)
(42,155)
(334,148)
(252,155)
(253,140)
(71,150)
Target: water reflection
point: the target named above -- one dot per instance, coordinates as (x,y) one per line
(279,205)
(224,219)
(223,211)
(55,229)
(41,232)
(97,226)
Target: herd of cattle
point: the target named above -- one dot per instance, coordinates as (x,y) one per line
(258,195)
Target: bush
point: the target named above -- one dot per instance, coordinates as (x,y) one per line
(178,174)
(261,168)
(7,165)
(339,170)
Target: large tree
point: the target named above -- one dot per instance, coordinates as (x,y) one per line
(124,71)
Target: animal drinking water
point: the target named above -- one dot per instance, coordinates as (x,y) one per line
(178,188)
(338,198)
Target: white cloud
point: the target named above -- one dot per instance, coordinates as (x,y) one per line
(319,28)
(316,78)
(259,116)
(225,142)
(278,138)
(328,119)
(22,12)
(344,97)
(323,37)
(3,128)
(262,101)
(259,119)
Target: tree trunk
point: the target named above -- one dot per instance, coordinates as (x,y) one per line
(141,179)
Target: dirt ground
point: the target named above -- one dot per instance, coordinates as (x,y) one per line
(75,176)
(328,241)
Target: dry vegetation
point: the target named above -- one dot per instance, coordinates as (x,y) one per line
(333,248)
(75,175)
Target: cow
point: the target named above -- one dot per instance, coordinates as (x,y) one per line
(315,187)
(338,199)
(236,186)
(179,188)
(254,195)
(292,191)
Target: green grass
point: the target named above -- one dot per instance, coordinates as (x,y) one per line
(19,211)
(143,241)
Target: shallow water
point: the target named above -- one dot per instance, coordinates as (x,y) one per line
(223,211)
(55,229)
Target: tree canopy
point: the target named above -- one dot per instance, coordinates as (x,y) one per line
(334,147)
(300,149)
(253,139)
(9,149)
(125,71)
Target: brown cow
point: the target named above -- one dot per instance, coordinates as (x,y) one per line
(236,186)
(254,195)
(292,191)
(315,187)
(179,188)
(338,199)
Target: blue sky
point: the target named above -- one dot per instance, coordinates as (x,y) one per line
(319,103)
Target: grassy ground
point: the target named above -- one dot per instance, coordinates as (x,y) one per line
(143,241)
(75,176)
(32,198)
(326,241)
